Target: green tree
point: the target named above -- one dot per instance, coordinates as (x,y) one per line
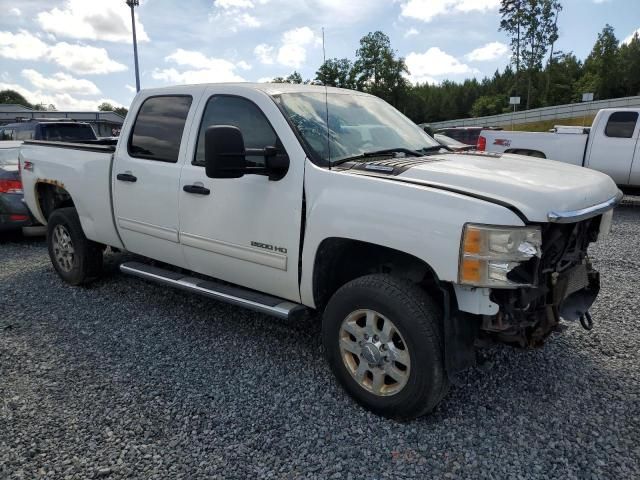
(378,70)
(105,107)
(540,31)
(511,20)
(563,71)
(122,111)
(603,63)
(13,97)
(336,73)
(295,77)
(489,105)
(630,65)
(43,107)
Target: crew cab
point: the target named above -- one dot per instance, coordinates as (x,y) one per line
(295,199)
(610,145)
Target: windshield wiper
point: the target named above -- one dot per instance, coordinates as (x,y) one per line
(378,153)
(435,148)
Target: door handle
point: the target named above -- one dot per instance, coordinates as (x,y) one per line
(197,189)
(126,177)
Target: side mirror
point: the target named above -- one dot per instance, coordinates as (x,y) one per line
(224,152)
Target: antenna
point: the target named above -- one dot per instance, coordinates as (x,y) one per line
(326,99)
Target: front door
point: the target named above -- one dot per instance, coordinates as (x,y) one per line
(146,178)
(244,230)
(612,150)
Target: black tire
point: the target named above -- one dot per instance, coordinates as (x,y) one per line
(417,317)
(86,264)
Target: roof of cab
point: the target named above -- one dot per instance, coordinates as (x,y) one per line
(268,88)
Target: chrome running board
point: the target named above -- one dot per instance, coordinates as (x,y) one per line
(234,295)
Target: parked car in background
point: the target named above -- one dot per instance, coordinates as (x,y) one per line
(55,130)
(14,214)
(466,135)
(285,198)
(453,144)
(610,145)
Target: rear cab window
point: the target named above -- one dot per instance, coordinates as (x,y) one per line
(621,124)
(158,128)
(66,132)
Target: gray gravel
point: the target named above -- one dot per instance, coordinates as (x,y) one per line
(130,380)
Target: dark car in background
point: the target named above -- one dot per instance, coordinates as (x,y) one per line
(466,135)
(14,214)
(54,130)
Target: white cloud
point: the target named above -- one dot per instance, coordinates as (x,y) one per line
(490,51)
(292,51)
(423,67)
(15,11)
(228,4)
(21,46)
(81,59)
(426,10)
(630,37)
(233,14)
(61,82)
(202,69)
(84,59)
(108,20)
(264,53)
(131,88)
(62,101)
(265,79)
(411,32)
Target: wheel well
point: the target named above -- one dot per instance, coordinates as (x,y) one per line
(51,196)
(527,152)
(340,260)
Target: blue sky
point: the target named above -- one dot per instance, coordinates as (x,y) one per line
(77,53)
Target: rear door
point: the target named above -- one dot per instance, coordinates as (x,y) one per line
(146,177)
(613,147)
(244,230)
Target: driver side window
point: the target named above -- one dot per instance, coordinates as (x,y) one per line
(238,112)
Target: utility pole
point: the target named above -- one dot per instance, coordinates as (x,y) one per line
(132,4)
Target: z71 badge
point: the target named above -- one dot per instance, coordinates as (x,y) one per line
(266,246)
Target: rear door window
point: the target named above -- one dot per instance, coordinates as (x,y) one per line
(621,124)
(157,131)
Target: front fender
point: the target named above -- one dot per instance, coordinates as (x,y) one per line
(421,221)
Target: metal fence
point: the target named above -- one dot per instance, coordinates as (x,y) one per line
(539,114)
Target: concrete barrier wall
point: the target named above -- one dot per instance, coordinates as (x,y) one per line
(539,114)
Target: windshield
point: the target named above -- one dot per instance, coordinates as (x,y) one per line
(9,156)
(67,132)
(358,124)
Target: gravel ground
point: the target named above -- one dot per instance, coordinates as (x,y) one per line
(130,380)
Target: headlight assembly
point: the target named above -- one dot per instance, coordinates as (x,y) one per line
(488,254)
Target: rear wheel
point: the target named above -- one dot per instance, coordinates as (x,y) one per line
(383,341)
(77,259)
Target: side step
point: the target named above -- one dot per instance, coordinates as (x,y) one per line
(251,299)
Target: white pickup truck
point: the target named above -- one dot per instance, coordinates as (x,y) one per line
(610,145)
(414,254)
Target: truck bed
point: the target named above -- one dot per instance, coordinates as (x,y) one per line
(564,147)
(83,170)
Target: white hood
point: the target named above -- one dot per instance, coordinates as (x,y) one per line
(534,186)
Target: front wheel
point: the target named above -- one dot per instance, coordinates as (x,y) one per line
(382,337)
(77,259)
